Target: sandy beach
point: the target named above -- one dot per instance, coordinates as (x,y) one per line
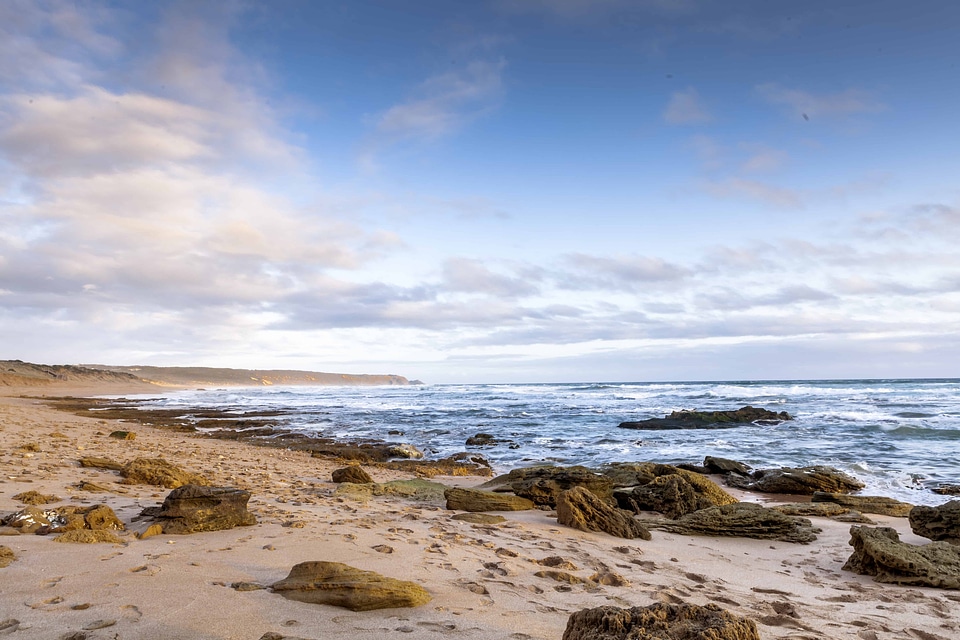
(480,577)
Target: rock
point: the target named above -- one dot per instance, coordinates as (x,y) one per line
(124,435)
(634,474)
(6,556)
(878,552)
(711,419)
(35,498)
(101,518)
(353,474)
(407,451)
(193,509)
(866,504)
(559,576)
(807,509)
(482,440)
(937,523)
(341,585)
(558,562)
(35,520)
(475,500)
(581,509)
(801,481)
(160,473)
(85,536)
(479,518)
(100,463)
(246,586)
(542,485)
(659,622)
(743,519)
(414,489)
(608,578)
(151,531)
(723,465)
(671,495)
(947,489)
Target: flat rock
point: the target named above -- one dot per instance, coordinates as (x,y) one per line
(476,500)
(160,473)
(714,464)
(878,552)
(947,489)
(95,462)
(479,518)
(659,622)
(797,481)
(341,585)
(543,485)
(581,509)
(194,509)
(743,520)
(822,510)
(85,536)
(353,474)
(866,504)
(710,419)
(6,556)
(416,489)
(937,523)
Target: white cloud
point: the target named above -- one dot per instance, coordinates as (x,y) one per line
(804,104)
(686,107)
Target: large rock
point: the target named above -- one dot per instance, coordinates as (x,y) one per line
(866,504)
(710,419)
(799,481)
(341,585)
(744,520)
(634,474)
(878,552)
(543,485)
(193,509)
(659,622)
(35,520)
(937,523)
(160,473)
(353,474)
(475,500)
(581,509)
(714,464)
(672,495)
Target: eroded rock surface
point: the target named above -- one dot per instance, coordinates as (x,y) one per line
(475,500)
(659,622)
(711,419)
(866,504)
(798,481)
(85,536)
(937,523)
(543,485)
(160,473)
(714,464)
(193,509)
(341,585)
(353,474)
(878,552)
(744,520)
(581,509)
(643,473)
(672,495)
(36,520)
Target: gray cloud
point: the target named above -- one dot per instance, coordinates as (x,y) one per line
(471,276)
(625,273)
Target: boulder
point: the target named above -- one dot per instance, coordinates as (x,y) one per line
(581,509)
(799,481)
(35,498)
(193,509)
(947,489)
(723,465)
(937,523)
(353,474)
(659,622)
(744,520)
(482,440)
(475,500)
(543,485)
(635,474)
(672,495)
(878,552)
(341,585)
(36,520)
(866,504)
(6,556)
(406,451)
(710,419)
(160,473)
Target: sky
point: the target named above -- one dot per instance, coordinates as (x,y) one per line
(484,191)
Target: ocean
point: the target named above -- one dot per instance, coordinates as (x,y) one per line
(900,437)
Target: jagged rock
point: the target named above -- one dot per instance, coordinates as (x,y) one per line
(101,463)
(866,504)
(40,521)
(479,518)
(341,585)
(744,520)
(35,498)
(878,552)
(193,509)
(711,419)
(353,474)
(476,500)
(85,536)
(799,481)
(635,474)
(404,451)
(542,485)
(937,523)
(160,473)
(659,622)
(151,531)
(723,465)
(672,495)
(581,509)
(6,556)
(947,489)
(822,510)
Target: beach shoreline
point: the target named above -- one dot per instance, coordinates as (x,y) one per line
(480,577)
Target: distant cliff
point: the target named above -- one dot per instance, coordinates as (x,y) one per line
(193,376)
(16,373)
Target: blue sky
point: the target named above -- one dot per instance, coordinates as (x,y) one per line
(502,190)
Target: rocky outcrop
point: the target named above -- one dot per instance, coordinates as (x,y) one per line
(798,481)
(543,485)
(710,419)
(937,523)
(85,536)
(866,504)
(878,552)
(947,489)
(35,498)
(341,585)
(475,500)
(671,495)
(6,556)
(416,489)
(744,520)
(830,510)
(642,473)
(353,474)
(581,509)
(659,622)
(194,509)
(714,464)
(40,521)
(160,473)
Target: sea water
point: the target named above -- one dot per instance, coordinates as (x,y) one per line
(900,437)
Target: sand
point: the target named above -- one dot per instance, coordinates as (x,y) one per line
(481,577)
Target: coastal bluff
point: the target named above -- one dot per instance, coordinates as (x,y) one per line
(19,373)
